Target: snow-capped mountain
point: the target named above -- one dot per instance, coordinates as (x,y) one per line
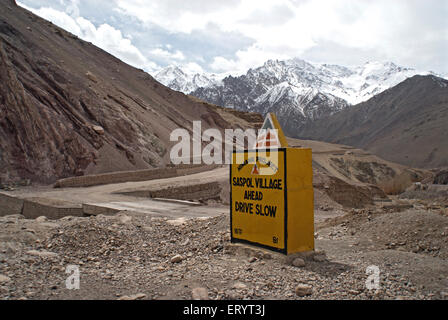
(296,90)
(179,80)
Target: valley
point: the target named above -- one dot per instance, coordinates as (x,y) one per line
(88,184)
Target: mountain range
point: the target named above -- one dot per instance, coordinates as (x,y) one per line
(395,112)
(296,90)
(183,81)
(406,124)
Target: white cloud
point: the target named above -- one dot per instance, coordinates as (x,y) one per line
(167,55)
(221,64)
(393,29)
(177,15)
(409,32)
(105,36)
(192,68)
(73,8)
(254,56)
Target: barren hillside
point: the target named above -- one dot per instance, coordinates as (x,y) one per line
(69,108)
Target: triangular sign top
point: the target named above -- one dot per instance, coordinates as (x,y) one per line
(268,137)
(255,170)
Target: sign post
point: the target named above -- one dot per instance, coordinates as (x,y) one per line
(272,194)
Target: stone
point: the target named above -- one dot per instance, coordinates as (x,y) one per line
(239,286)
(304,290)
(91,77)
(252,259)
(199,294)
(298,262)
(137,296)
(42,254)
(98,129)
(41,219)
(4,279)
(177,258)
(177,222)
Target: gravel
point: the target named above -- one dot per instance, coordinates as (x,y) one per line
(124,257)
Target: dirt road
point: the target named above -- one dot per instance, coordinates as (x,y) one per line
(110,192)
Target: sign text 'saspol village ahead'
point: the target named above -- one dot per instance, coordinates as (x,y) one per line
(272,193)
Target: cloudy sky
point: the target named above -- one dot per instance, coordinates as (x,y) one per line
(231,36)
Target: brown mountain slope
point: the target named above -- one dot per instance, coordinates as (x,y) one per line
(406,124)
(69,108)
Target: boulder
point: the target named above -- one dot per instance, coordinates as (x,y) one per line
(304,290)
(98,129)
(298,262)
(199,294)
(177,258)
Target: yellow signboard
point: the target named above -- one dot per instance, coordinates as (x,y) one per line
(272,199)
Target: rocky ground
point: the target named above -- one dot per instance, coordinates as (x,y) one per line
(137,257)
